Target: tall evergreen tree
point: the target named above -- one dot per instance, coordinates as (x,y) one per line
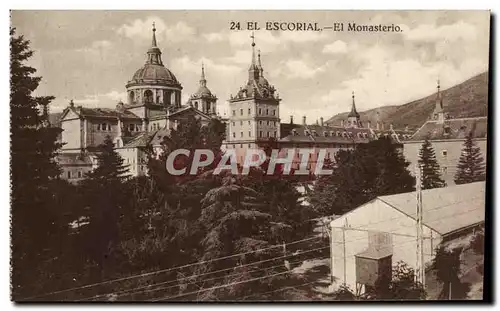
(471,167)
(430,168)
(360,175)
(106,196)
(36,222)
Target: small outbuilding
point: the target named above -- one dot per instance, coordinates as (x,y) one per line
(368,240)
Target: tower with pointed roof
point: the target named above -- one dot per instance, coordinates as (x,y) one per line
(353,118)
(254,110)
(438,113)
(203,99)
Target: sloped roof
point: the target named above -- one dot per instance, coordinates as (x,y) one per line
(74,159)
(444,209)
(100,113)
(336,134)
(139,140)
(453,129)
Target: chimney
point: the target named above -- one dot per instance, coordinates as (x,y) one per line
(390,126)
(321,121)
(71,104)
(291,119)
(304,120)
(369,124)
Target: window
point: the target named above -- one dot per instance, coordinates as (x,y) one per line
(306,132)
(249,134)
(275,134)
(260,111)
(234,112)
(249,123)
(103,126)
(98,127)
(249,111)
(69,174)
(249,145)
(260,122)
(325,134)
(79,174)
(234,135)
(241,134)
(241,145)
(109,127)
(131,127)
(241,122)
(268,123)
(267,111)
(444,153)
(234,123)
(274,112)
(260,133)
(241,111)
(268,134)
(295,133)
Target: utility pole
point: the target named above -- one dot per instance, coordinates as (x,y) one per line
(344,254)
(419,221)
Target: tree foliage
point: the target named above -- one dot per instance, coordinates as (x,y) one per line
(431,177)
(360,175)
(447,264)
(471,167)
(37,223)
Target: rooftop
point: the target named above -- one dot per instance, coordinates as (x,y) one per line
(445,209)
(452,129)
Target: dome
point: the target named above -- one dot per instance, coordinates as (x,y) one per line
(155,72)
(202,91)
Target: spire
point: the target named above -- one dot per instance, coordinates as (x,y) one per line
(353,112)
(259,64)
(203,81)
(153,42)
(154,53)
(253,71)
(438,109)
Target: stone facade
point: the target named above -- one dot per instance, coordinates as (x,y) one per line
(254,112)
(153,108)
(447,136)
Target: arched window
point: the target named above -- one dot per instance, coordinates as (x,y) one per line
(196,105)
(148,96)
(131,97)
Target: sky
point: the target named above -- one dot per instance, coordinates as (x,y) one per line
(89,56)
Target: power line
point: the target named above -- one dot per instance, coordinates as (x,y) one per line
(221,286)
(278,290)
(211,279)
(208,273)
(164,270)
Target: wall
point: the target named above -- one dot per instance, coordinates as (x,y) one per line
(135,159)
(378,216)
(447,154)
(71,134)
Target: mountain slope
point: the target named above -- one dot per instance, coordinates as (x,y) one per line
(467,99)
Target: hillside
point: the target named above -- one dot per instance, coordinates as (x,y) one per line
(467,99)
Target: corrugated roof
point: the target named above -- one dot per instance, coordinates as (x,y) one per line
(445,209)
(453,129)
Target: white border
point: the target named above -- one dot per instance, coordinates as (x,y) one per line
(187,4)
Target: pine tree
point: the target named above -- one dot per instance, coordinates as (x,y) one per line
(105,194)
(360,175)
(430,168)
(471,167)
(36,222)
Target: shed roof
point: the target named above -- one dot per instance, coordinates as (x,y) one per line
(445,209)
